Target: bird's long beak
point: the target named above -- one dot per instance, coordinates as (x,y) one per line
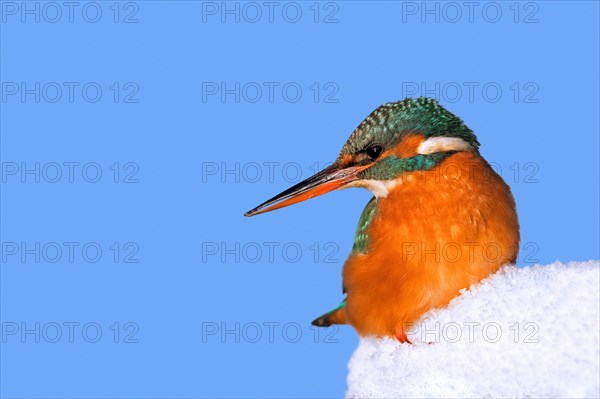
(329,179)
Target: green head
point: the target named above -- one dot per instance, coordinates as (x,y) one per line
(408,135)
(391,122)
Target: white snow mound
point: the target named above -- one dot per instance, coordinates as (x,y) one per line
(529,332)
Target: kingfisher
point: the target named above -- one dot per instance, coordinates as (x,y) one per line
(440,220)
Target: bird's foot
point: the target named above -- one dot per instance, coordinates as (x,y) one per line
(401,337)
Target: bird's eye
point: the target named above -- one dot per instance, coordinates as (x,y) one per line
(374,151)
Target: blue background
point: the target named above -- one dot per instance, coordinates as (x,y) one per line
(177,133)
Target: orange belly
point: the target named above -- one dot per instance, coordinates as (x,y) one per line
(436,233)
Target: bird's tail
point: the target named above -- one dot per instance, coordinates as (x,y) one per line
(336,316)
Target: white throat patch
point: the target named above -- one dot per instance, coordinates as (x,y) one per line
(379,188)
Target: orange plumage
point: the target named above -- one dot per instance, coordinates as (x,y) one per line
(437,232)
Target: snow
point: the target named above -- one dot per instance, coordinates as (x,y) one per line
(528,332)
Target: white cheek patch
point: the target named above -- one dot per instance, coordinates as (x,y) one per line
(441,144)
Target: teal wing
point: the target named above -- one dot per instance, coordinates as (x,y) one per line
(361,238)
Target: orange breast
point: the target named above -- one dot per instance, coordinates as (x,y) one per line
(436,233)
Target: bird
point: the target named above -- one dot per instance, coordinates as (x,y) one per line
(441,219)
